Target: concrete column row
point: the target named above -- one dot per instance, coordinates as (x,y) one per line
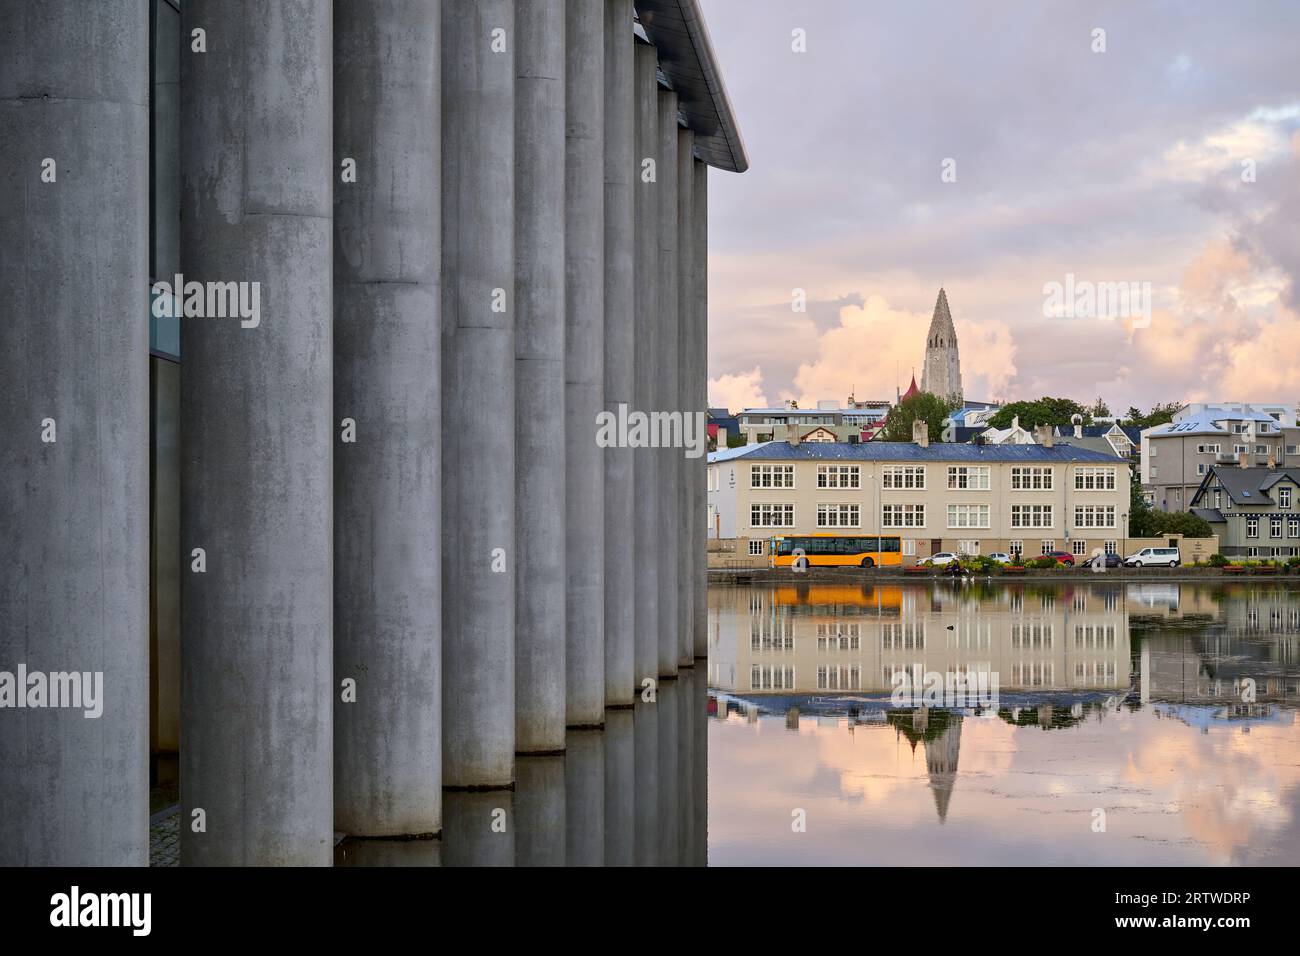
(470,227)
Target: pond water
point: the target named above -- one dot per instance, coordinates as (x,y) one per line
(1101,724)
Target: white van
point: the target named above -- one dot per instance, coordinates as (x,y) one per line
(1167,557)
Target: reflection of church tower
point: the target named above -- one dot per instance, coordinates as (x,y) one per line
(941,763)
(941,373)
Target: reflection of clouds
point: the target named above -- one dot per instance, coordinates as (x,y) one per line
(1021,795)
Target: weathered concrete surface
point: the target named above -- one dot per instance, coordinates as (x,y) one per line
(584,787)
(700,755)
(258,437)
(539,809)
(584,375)
(620,787)
(700,371)
(539,504)
(645,744)
(686,818)
(74,512)
(478,826)
(387,509)
(647,517)
(667,544)
(668,770)
(479,555)
(687,320)
(620,168)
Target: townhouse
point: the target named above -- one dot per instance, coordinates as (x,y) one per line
(976,499)
(1254,511)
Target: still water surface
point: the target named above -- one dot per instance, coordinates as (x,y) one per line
(1119,736)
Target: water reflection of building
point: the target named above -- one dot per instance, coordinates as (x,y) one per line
(816,638)
(939,734)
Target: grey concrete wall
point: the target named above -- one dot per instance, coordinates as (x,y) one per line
(620,787)
(647,516)
(645,758)
(700,371)
(584,786)
(540,520)
(74,518)
(668,769)
(584,377)
(539,805)
(387,512)
(620,170)
(256,410)
(478,394)
(687,320)
(700,755)
(479,827)
(668,545)
(686,836)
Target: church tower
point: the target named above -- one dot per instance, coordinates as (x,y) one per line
(941,373)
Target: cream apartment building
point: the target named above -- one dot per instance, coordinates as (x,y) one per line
(975,499)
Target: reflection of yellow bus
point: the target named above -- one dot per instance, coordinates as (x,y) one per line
(835,596)
(837,550)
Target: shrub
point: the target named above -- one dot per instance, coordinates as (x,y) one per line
(1043,562)
(1217,560)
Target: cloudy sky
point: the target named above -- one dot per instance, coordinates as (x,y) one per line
(1127,165)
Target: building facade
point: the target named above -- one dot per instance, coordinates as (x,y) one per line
(976,499)
(1176,457)
(1254,511)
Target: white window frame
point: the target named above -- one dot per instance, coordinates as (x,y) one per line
(1284,497)
(1032,478)
(1094,478)
(902,516)
(757,514)
(773,476)
(757,547)
(903,477)
(839,476)
(1093,516)
(1039,516)
(841,512)
(968,477)
(962,515)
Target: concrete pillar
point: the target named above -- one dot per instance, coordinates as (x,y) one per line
(539,803)
(374,853)
(584,370)
(478,394)
(700,373)
(645,748)
(647,517)
(687,319)
(620,787)
(387,577)
(539,377)
(74,394)
(667,542)
(668,768)
(620,169)
(258,436)
(584,787)
(478,825)
(686,678)
(700,756)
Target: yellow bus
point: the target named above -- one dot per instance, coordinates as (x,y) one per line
(837,550)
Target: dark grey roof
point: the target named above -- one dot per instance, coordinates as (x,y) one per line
(676,28)
(1092,443)
(1209,514)
(908,451)
(1247,486)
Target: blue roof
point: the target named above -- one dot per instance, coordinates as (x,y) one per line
(909,451)
(1205,423)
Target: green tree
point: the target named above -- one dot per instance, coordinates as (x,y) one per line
(1147,522)
(923,406)
(1043,411)
(1159,415)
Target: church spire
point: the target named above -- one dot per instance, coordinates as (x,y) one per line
(941,372)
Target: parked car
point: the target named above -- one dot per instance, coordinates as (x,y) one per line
(1104,560)
(1062,557)
(1001,557)
(1166,557)
(939,560)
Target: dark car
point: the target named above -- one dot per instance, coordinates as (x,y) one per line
(1105,561)
(1062,557)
